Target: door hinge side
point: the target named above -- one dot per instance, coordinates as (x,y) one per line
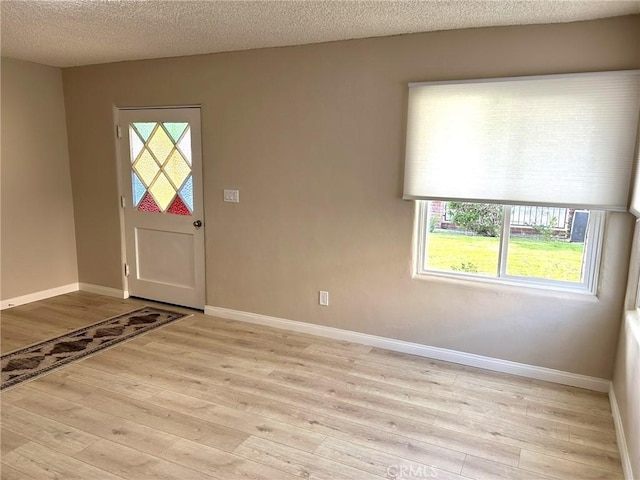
(126,269)
(123,202)
(118,131)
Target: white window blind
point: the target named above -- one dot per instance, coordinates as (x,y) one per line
(545,140)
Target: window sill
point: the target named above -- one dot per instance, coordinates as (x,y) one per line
(497,283)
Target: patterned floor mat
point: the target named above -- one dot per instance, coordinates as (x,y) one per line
(35,360)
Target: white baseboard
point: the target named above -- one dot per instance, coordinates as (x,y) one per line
(100,290)
(470,359)
(620,436)
(42,295)
(53,292)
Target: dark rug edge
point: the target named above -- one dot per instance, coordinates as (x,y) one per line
(35,375)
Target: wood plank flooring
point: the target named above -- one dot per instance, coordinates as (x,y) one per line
(207,398)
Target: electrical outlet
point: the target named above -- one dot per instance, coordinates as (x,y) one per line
(232,196)
(324,298)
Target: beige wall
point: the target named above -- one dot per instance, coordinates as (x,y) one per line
(313,136)
(626,385)
(38,239)
(626,380)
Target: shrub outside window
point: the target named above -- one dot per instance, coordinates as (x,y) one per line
(552,247)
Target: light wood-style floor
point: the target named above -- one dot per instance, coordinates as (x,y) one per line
(208,398)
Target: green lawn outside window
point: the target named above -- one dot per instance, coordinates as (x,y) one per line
(528,256)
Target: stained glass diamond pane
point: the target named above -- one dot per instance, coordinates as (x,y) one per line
(186,192)
(135,143)
(176,169)
(162,191)
(144,129)
(160,145)
(148,204)
(138,188)
(146,167)
(178,207)
(185,145)
(175,129)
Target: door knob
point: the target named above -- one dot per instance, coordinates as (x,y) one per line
(197,224)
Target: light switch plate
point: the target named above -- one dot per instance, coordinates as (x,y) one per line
(232,196)
(323,298)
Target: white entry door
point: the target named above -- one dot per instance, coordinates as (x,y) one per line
(161,158)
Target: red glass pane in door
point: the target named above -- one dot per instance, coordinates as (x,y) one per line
(148,204)
(178,207)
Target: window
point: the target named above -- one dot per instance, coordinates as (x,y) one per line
(161,179)
(556,247)
(521,170)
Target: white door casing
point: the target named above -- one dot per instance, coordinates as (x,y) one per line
(161,165)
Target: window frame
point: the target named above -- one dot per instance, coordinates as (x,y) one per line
(591,256)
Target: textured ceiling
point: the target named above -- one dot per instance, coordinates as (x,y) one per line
(65,33)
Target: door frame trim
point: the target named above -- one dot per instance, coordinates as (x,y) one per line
(119,173)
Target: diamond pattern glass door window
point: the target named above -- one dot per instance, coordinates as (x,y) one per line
(161,167)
